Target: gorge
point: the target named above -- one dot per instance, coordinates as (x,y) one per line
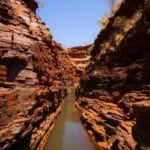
(111,78)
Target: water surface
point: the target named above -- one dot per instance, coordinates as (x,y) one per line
(69,133)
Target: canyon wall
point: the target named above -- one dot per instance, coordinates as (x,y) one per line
(79,57)
(114,93)
(34,72)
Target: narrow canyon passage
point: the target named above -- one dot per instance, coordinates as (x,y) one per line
(68,133)
(111,79)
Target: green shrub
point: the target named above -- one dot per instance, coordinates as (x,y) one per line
(119,21)
(103,21)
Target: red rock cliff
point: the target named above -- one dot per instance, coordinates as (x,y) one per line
(114,95)
(33,76)
(79,57)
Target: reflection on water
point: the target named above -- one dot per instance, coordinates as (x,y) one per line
(69,133)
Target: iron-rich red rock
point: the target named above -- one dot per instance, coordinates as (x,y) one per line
(114,93)
(79,57)
(33,76)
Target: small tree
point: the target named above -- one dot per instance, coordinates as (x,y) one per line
(102,22)
(112,2)
(40,2)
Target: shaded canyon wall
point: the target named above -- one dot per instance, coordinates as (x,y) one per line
(114,94)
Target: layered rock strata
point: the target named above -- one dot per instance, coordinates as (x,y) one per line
(114,94)
(80,57)
(34,73)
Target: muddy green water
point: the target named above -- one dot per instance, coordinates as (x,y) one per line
(69,133)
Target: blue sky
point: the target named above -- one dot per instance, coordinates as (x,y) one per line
(73,22)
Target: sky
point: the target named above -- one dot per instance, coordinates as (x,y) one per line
(73,22)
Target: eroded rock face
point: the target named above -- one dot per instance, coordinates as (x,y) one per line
(33,78)
(80,57)
(114,94)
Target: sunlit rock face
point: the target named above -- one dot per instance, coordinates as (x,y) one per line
(80,58)
(34,71)
(114,94)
